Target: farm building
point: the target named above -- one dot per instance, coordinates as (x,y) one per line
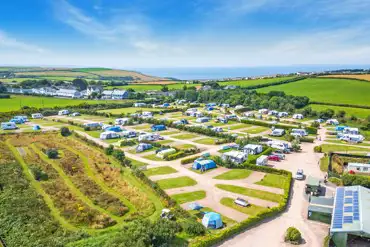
(165,152)
(107,94)
(351,218)
(204,165)
(298,116)
(122,121)
(278,132)
(212,220)
(358,167)
(142,147)
(158,127)
(109,135)
(262,160)
(320,209)
(68,93)
(253,149)
(235,157)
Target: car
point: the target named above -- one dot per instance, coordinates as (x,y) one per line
(281,156)
(241,202)
(299,174)
(75,114)
(296,135)
(274,158)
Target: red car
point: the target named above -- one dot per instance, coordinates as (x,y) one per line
(274,157)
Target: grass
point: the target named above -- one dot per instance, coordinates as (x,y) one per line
(246,83)
(159,171)
(128,110)
(184,146)
(136,163)
(185,136)
(327,90)
(142,127)
(264,195)
(234,174)
(237,126)
(343,142)
(256,130)
(206,141)
(179,182)
(358,112)
(145,87)
(273,180)
(169,132)
(361,77)
(163,142)
(341,148)
(18,101)
(324,164)
(152,157)
(189,197)
(251,210)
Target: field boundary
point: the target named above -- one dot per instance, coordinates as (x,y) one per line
(339,104)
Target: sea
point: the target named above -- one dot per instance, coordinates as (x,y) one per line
(212,73)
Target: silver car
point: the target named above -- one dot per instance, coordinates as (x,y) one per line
(299,175)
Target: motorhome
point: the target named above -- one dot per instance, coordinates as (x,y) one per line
(8,126)
(63,112)
(109,135)
(37,116)
(278,132)
(121,121)
(300,132)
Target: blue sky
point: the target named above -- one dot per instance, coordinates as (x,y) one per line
(188,33)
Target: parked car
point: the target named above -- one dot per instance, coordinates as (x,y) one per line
(274,158)
(241,202)
(285,151)
(75,114)
(281,156)
(299,175)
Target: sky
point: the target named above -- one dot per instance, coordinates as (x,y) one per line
(187,33)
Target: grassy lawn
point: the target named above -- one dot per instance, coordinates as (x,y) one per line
(199,215)
(160,171)
(246,83)
(273,180)
(128,110)
(152,157)
(358,112)
(142,127)
(226,150)
(327,90)
(171,183)
(324,164)
(189,197)
(136,163)
(206,141)
(251,210)
(169,132)
(342,148)
(185,146)
(234,174)
(264,195)
(343,142)
(163,142)
(185,136)
(238,126)
(133,150)
(256,130)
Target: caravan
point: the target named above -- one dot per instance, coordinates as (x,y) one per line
(63,112)
(278,132)
(129,134)
(162,154)
(23,118)
(37,116)
(8,126)
(121,121)
(149,137)
(298,132)
(109,135)
(94,125)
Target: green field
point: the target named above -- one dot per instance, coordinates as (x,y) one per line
(250,210)
(247,83)
(171,183)
(189,197)
(358,112)
(185,136)
(18,101)
(206,141)
(234,174)
(341,148)
(274,180)
(128,110)
(327,90)
(160,171)
(145,87)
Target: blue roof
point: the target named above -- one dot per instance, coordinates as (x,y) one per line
(212,216)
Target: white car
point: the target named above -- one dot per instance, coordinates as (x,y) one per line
(75,114)
(299,175)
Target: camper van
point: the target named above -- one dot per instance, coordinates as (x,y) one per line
(149,137)
(121,121)
(92,125)
(63,112)
(109,135)
(8,126)
(299,132)
(37,116)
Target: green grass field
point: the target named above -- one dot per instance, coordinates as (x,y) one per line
(256,130)
(264,195)
(206,141)
(234,174)
(358,112)
(171,183)
(273,180)
(341,148)
(185,136)
(160,171)
(247,83)
(327,90)
(189,197)
(250,210)
(18,101)
(145,87)
(128,110)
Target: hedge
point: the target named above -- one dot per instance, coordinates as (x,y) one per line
(189,160)
(215,238)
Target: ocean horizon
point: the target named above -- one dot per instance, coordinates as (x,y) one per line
(212,73)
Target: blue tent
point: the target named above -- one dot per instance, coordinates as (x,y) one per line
(212,220)
(36,127)
(158,127)
(204,165)
(195,206)
(340,128)
(114,129)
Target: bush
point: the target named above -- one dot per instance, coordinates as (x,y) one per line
(336,181)
(293,235)
(193,228)
(317,149)
(39,174)
(350,179)
(189,160)
(119,155)
(52,153)
(109,150)
(125,143)
(64,131)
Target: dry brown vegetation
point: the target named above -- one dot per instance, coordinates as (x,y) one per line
(55,73)
(361,77)
(123,73)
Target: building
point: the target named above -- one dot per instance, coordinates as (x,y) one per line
(107,94)
(68,93)
(320,209)
(253,149)
(93,89)
(235,157)
(358,168)
(119,94)
(350,215)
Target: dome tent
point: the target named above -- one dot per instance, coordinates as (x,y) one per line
(212,220)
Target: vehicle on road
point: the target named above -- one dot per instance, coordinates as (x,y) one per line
(241,202)
(281,155)
(299,174)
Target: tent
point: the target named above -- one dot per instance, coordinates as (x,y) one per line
(36,127)
(195,206)
(114,129)
(204,165)
(212,220)
(143,146)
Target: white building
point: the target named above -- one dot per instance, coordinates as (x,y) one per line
(359,167)
(107,94)
(119,94)
(68,93)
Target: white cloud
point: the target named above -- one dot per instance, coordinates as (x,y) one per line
(12,43)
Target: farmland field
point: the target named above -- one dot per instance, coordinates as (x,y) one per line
(327,90)
(18,101)
(358,112)
(361,77)
(128,110)
(247,83)
(67,73)
(144,87)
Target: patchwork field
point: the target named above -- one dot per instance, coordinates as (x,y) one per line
(327,90)
(246,83)
(361,77)
(145,87)
(350,111)
(129,110)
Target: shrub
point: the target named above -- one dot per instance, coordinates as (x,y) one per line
(293,235)
(64,131)
(189,160)
(193,228)
(317,149)
(52,153)
(125,143)
(336,181)
(119,155)
(353,179)
(109,150)
(39,174)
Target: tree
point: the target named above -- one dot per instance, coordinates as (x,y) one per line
(295,145)
(109,150)
(64,131)
(192,227)
(80,84)
(52,153)
(164,88)
(293,235)
(119,155)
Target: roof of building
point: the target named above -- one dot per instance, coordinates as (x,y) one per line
(324,201)
(252,146)
(351,210)
(359,164)
(235,154)
(320,209)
